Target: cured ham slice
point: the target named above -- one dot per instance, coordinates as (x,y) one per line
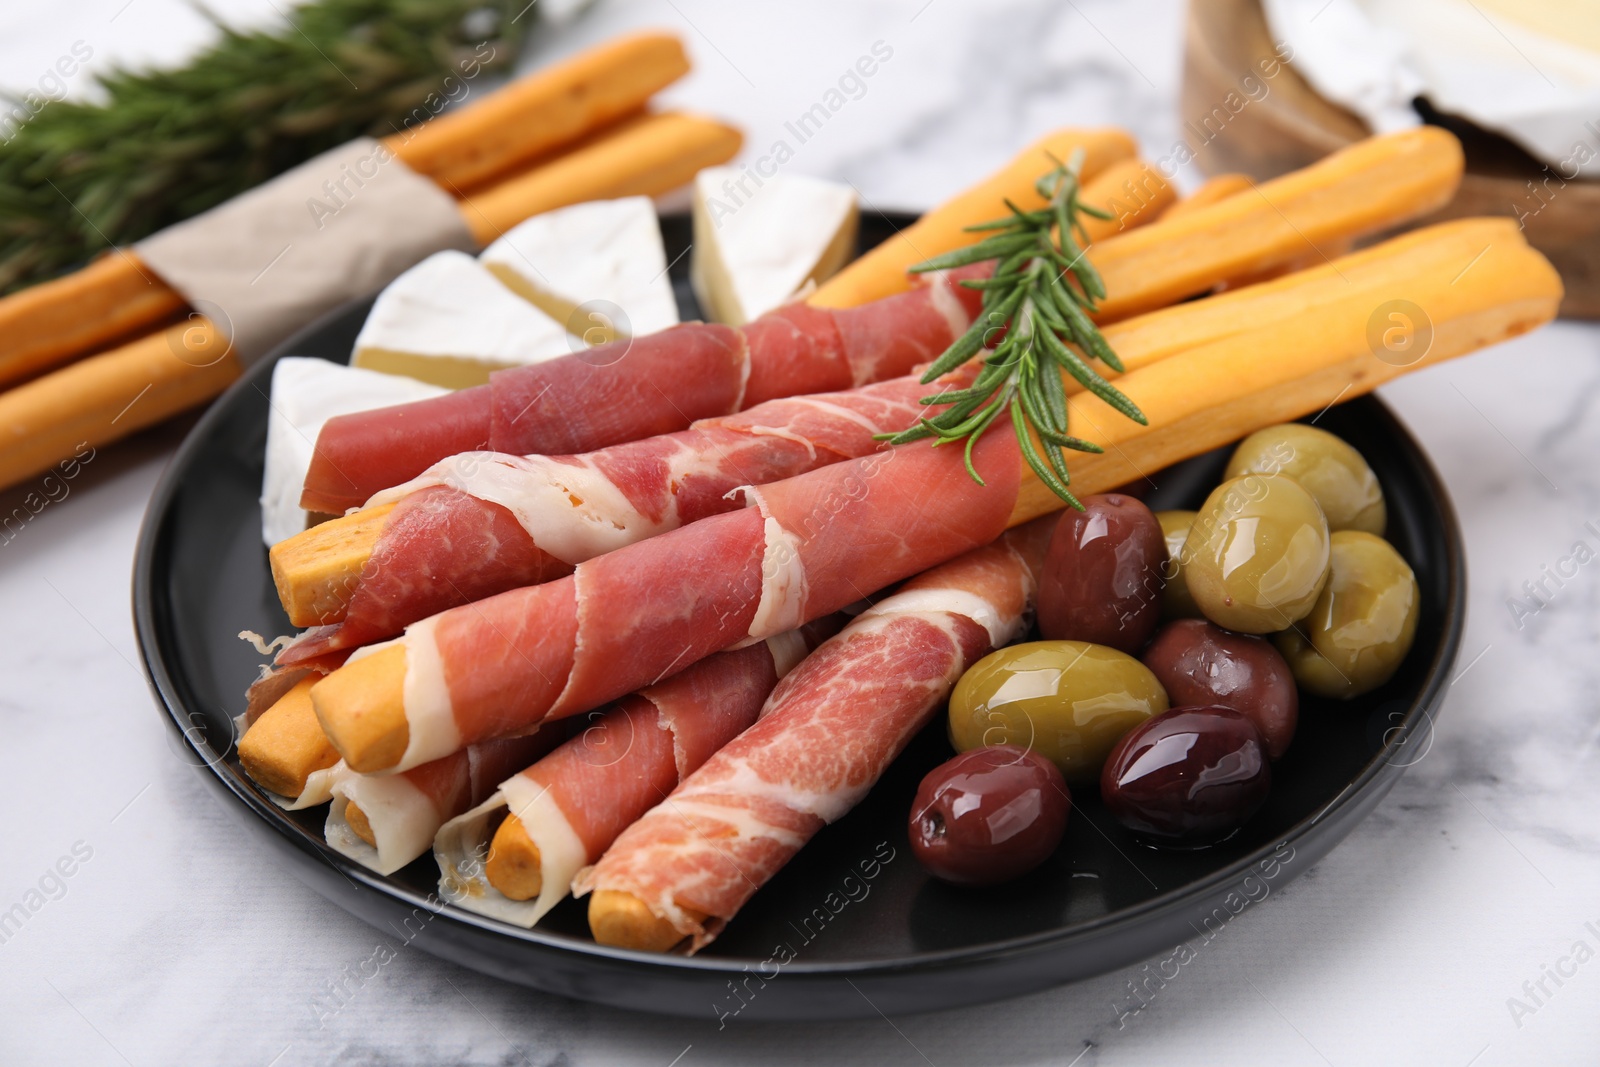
(808,547)
(403,812)
(642,387)
(825,736)
(481,523)
(574,802)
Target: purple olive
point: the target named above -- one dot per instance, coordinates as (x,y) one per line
(1189,777)
(1198,662)
(989,815)
(1101,581)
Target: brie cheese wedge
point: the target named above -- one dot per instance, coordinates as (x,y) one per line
(598,268)
(448,321)
(305,394)
(756,246)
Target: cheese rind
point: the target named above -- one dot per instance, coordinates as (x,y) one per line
(305,394)
(756,246)
(602,251)
(449,321)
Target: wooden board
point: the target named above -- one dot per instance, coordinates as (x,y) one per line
(1273,124)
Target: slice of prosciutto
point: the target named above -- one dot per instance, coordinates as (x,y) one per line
(628,756)
(405,811)
(640,387)
(825,736)
(806,547)
(480,523)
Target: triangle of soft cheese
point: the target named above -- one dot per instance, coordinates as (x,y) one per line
(605,251)
(448,321)
(755,246)
(305,394)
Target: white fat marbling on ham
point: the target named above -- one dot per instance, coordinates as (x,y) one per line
(947,304)
(783,582)
(1002,631)
(430,715)
(787,649)
(570,509)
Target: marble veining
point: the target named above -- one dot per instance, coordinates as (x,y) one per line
(1429,936)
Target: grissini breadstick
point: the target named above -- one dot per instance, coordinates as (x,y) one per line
(1133,192)
(1369,186)
(106,397)
(541,112)
(685,476)
(560,814)
(881,272)
(1218,188)
(51,323)
(646,156)
(116,296)
(825,736)
(811,544)
(285,746)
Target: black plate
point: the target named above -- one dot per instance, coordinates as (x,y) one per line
(851,945)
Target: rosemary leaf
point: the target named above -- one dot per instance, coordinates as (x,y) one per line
(166,145)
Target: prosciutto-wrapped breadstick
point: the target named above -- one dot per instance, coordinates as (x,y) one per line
(564,811)
(385,823)
(825,736)
(811,544)
(481,523)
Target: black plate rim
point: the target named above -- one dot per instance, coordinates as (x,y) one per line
(1378,774)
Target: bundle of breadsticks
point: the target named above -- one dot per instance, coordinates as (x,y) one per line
(706,712)
(94,356)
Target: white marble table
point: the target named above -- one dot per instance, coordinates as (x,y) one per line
(173,941)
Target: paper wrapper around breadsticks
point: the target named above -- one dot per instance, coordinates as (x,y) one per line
(331,230)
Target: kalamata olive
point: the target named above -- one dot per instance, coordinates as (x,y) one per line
(1257,554)
(1363,623)
(1335,474)
(1198,662)
(989,815)
(1069,701)
(1190,777)
(1176,603)
(1102,574)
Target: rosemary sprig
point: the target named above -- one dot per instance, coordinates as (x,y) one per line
(166,145)
(1041,295)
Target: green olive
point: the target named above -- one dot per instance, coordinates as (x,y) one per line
(1257,554)
(1362,625)
(1176,603)
(1330,470)
(1069,701)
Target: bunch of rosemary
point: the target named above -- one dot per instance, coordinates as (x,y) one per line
(78,178)
(1039,298)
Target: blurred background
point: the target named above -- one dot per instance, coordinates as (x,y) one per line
(176,943)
